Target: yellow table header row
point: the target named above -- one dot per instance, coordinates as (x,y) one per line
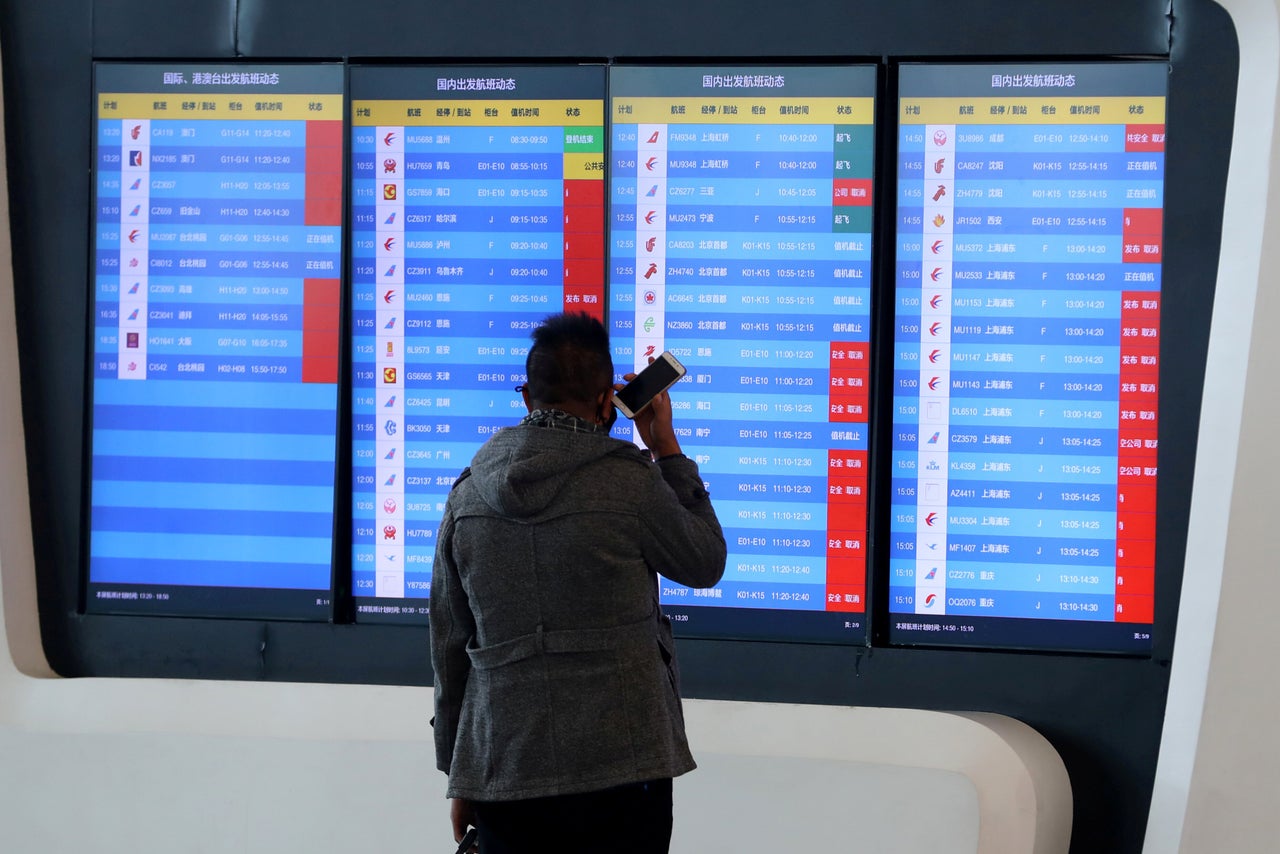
(477,113)
(741,111)
(1032,111)
(171,105)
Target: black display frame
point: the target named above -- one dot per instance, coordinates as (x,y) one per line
(1101,637)
(204,601)
(768,625)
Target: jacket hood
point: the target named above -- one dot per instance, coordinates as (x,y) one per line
(521,470)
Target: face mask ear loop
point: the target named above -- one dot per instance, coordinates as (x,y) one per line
(601,418)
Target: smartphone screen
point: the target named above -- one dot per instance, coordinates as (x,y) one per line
(659,375)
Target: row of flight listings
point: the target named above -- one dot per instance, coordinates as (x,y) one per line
(722,214)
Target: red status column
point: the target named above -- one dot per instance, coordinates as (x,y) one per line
(847,397)
(584,246)
(1137,472)
(321,295)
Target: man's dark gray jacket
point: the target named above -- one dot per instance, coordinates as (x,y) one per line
(555,669)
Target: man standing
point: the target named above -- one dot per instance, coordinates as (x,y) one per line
(558,714)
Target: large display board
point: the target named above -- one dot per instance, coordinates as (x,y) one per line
(1024,366)
(740,240)
(218,258)
(477,210)
(1026,360)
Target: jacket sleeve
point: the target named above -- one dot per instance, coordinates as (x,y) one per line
(685,542)
(452,627)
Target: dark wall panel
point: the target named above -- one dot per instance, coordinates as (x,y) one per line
(128,29)
(47,93)
(675,28)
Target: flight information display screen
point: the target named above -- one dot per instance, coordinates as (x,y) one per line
(740,240)
(217,266)
(477,210)
(1026,358)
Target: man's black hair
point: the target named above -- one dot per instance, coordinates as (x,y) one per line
(569,361)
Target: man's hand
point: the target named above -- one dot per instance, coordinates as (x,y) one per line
(462,815)
(654,424)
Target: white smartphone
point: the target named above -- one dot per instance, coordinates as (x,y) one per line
(658,376)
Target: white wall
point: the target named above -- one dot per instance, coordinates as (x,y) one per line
(100,766)
(1218,778)
(126,765)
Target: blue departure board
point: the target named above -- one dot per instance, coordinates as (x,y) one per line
(216,311)
(477,210)
(740,240)
(1026,355)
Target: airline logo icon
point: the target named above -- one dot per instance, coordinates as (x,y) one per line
(135,131)
(135,158)
(649,349)
(650,217)
(389,505)
(931,519)
(390,220)
(391,401)
(389,140)
(933,440)
(136,210)
(391,324)
(939,137)
(389,166)
(931,574)
(391,454)
(134,289)
(134,235)
(650,244)
(650,297)
(389,376)
(939,221)
(649,324)
(935,301)
(136,185)
(653,191)
(940,192)
(389,244)
(391,271)
(391,481)
(133,315)
(133,262)
(389,193)
(389,427)
(933,383)
(934,355)
(931,600)
(935,328)
(940,163)
(131,340)
(651,164)
(391,294)
(391,349)
(653,137)
(936,246)
(652,271)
